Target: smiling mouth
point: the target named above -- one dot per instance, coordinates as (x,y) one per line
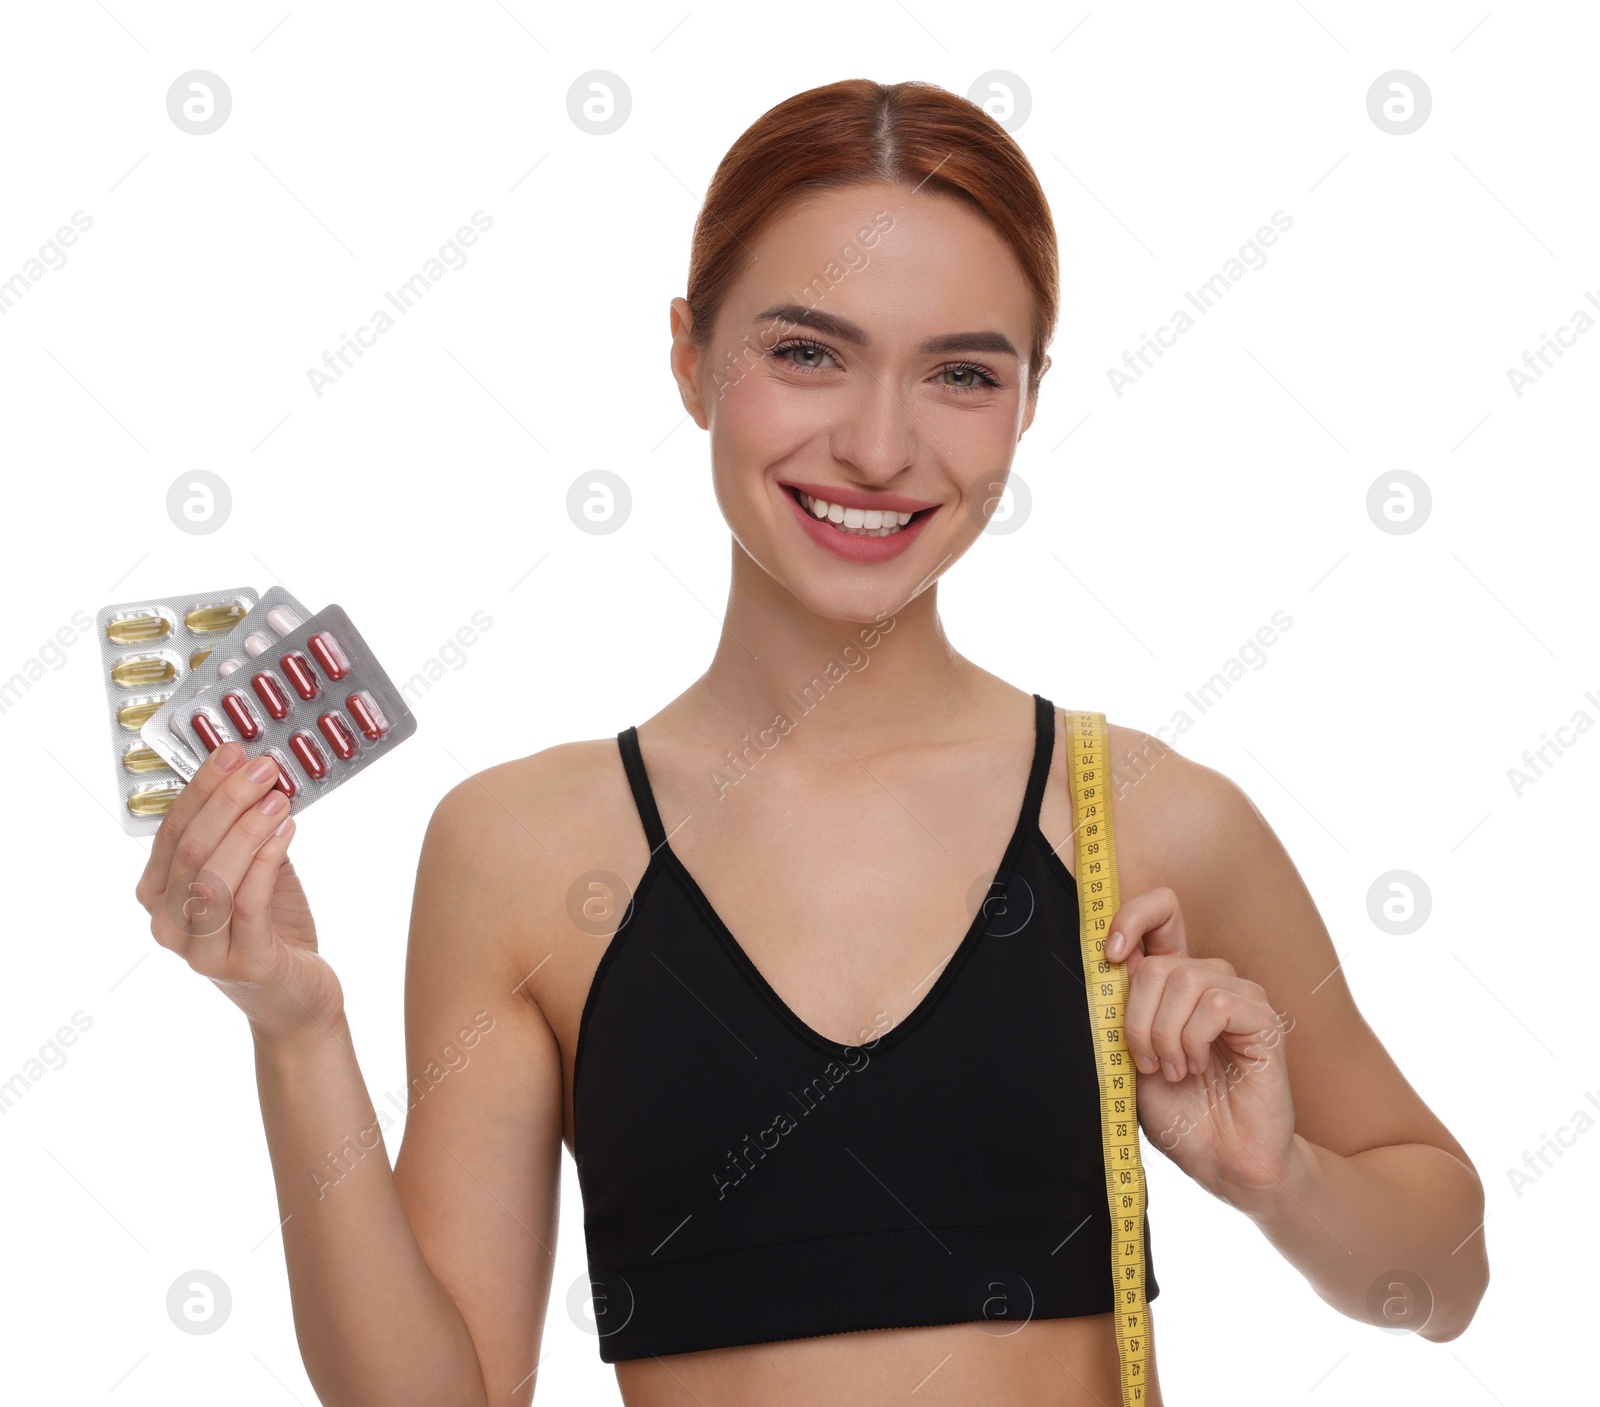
(855,522)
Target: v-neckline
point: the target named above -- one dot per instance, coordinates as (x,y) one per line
(1032,797)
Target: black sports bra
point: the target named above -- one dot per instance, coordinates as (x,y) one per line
(746,1179)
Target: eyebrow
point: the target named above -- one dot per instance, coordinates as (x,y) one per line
(846,331)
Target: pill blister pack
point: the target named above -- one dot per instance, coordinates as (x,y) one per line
(315,700)
(168,729)
(148,649)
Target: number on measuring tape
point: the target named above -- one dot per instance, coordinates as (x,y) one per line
(1098,900)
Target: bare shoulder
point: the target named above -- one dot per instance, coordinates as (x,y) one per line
(1192,829)
(509,842)
(1179,822)
(512,804)
(1167,809)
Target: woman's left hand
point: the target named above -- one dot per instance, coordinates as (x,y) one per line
(1213,1092)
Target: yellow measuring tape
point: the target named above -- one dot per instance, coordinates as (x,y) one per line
(1106,982)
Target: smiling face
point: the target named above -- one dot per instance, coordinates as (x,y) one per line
(871,361)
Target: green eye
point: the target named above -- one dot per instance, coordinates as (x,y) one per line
(977,379)
(812,351)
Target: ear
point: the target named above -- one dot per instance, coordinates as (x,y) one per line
(1033,398)
(685,358)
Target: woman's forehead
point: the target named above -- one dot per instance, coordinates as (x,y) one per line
(887,258)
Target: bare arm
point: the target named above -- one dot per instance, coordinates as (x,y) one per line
(1377,1183)
(373,1322)
(1377,1233)
(479,1172)
(426,1284)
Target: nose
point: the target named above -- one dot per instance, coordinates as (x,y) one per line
(875,430)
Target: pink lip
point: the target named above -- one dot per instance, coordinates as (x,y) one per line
(850,546)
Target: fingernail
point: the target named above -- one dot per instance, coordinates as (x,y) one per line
(262,768)
(287,822)
(227,757)
(1114,946)
(1146,1063)
(1169,1069)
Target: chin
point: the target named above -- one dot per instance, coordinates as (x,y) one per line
(871,603)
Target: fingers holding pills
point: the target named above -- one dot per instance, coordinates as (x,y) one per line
(201,843)
(257,821)
(286,706)
(242,711)
(239,942)
(253,900)
(230,903)
(152,884)
(207,850)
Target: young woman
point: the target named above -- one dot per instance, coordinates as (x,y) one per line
(793,966)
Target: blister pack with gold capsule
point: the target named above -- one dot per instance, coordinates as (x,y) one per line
(168,730)
(147,649)
(317,702)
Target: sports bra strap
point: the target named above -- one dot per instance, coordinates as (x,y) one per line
(643,797)
(1044,724)
(1044,727)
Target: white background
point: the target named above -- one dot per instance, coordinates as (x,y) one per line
(1167,526)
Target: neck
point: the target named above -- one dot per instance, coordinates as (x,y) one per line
(861,680)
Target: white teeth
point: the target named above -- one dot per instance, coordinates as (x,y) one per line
(863,522)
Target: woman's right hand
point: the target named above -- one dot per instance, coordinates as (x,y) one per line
(222,894)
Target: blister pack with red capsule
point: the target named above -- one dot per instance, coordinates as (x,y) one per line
(317,701)
(168,730)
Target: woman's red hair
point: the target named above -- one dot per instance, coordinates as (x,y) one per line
(916,135)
